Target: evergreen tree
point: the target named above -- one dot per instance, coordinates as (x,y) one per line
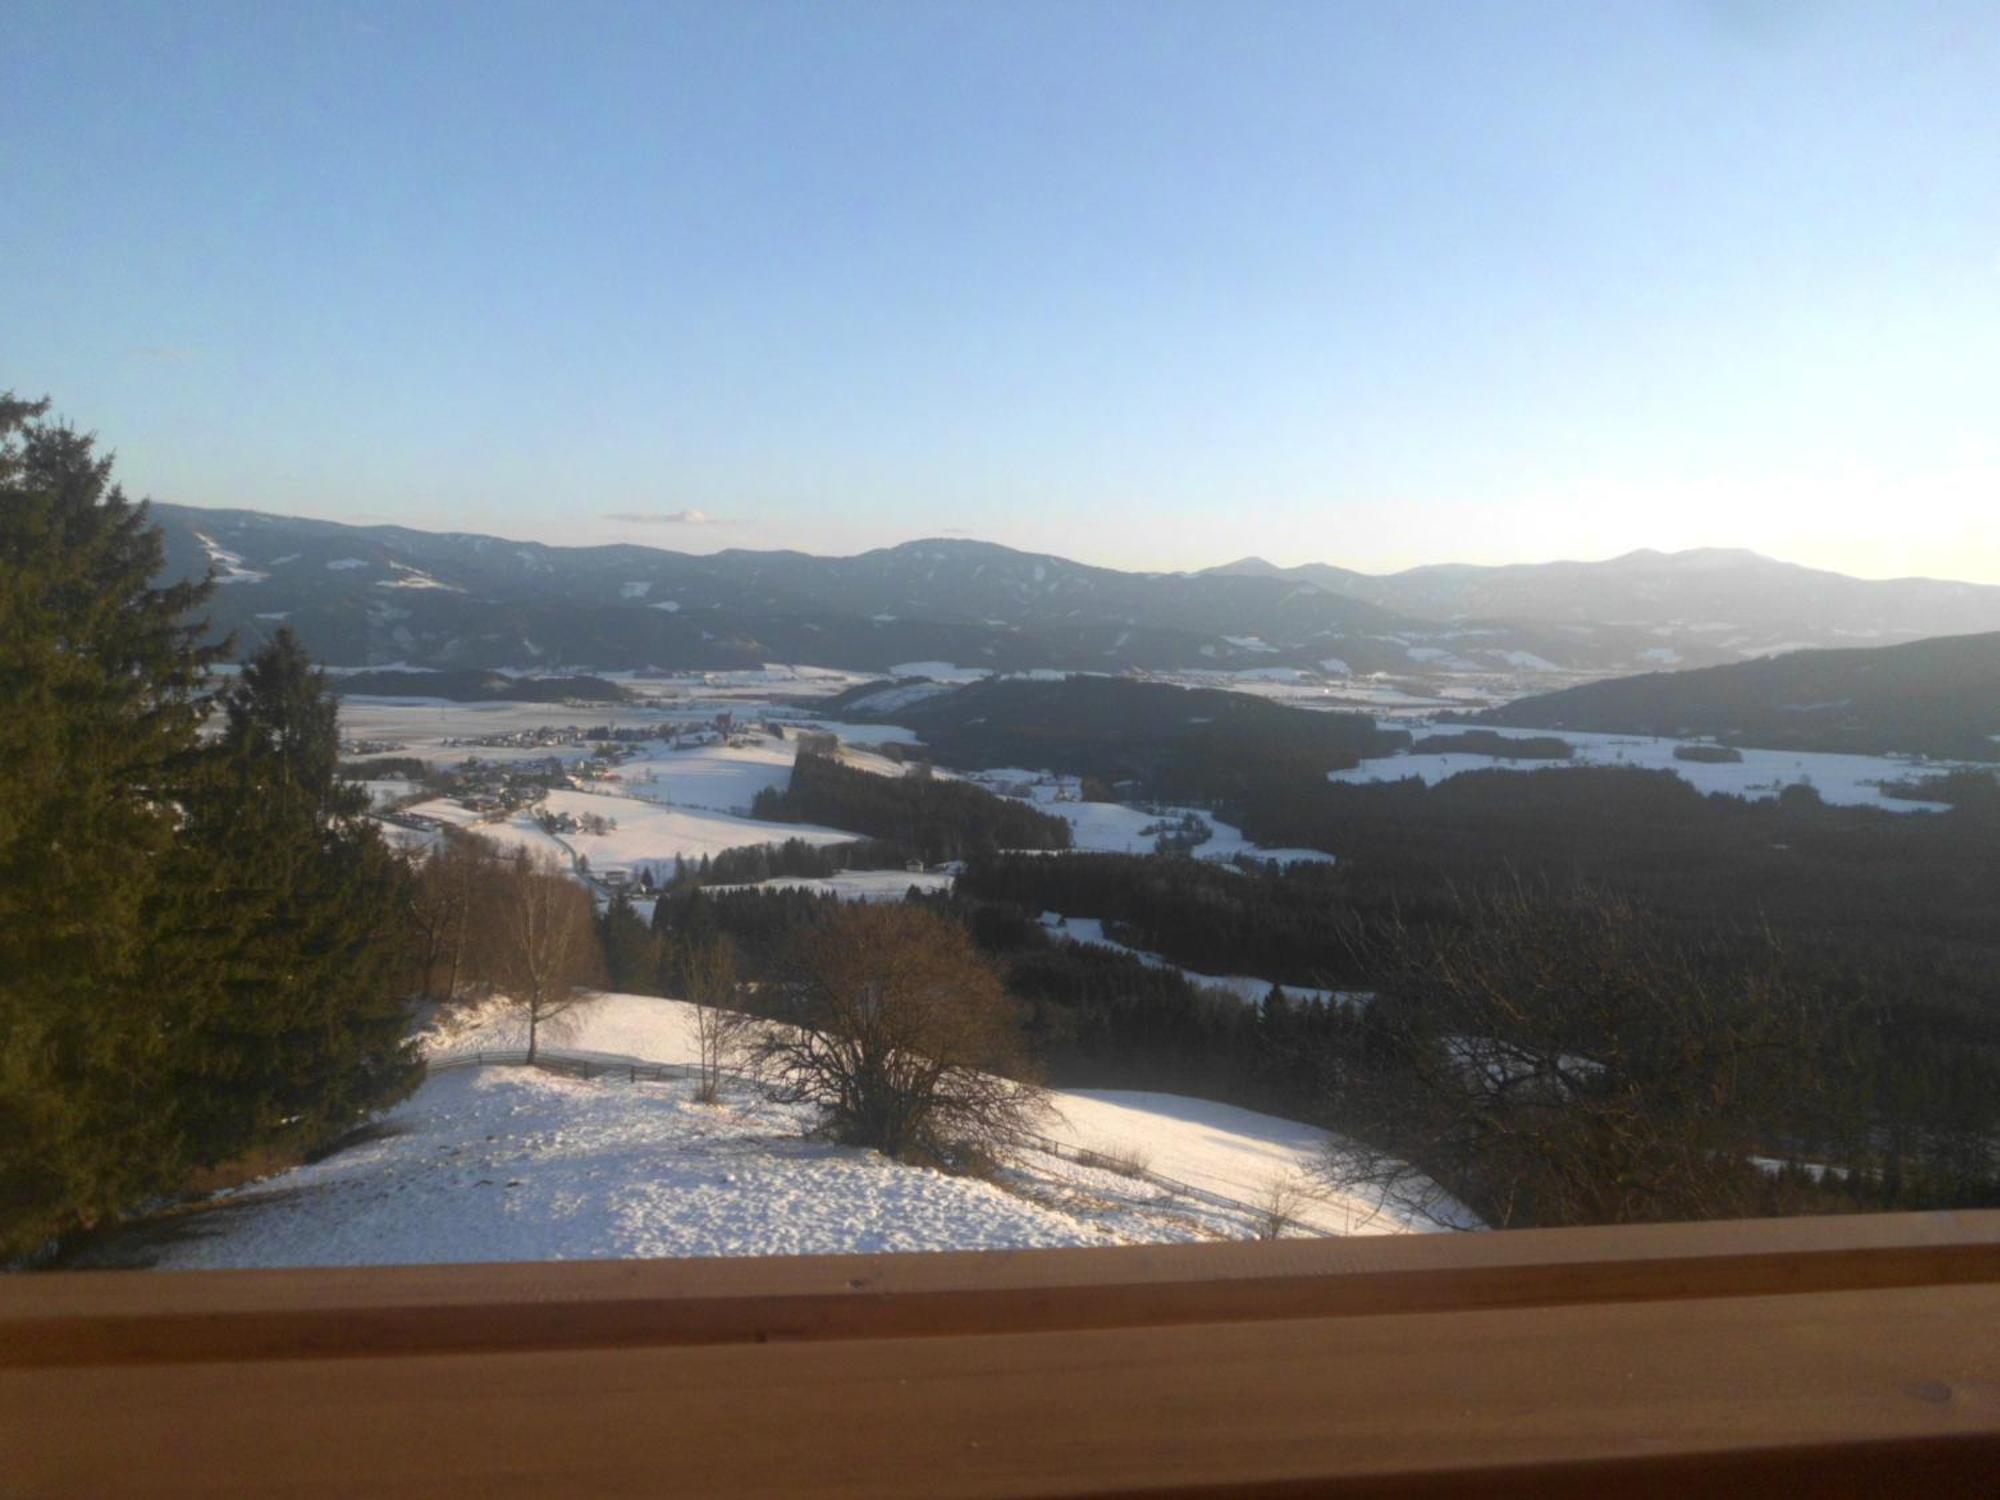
(292,922)
(102,675)
(631,951)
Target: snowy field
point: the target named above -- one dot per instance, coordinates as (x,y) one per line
(1117,828)
(647,836)
(488,1163)
(720,778)
(1845,780)
(424,728)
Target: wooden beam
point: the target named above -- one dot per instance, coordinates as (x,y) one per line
(122,1316)
(1817,1387)
(1826,1356)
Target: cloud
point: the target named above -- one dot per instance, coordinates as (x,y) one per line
(662,517)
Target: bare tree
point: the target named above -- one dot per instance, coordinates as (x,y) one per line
(448,895)
(902,1034)
(1557,1059)
(541,939)
(709,982)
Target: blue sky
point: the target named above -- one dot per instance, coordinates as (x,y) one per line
(1152,285)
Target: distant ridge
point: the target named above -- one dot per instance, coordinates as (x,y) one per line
(1742,600)
(1936,697)
(382,595)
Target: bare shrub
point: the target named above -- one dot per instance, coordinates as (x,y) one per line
(901,1033)
(1279,1205)
(1126,1161)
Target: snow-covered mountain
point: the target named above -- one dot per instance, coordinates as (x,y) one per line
(370,595)
(1701,607)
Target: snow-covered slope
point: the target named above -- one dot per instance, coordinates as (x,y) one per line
(492,1163)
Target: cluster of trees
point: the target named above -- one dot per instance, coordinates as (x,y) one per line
(202,947)
(1555,1058)
(934,820)
(794,858)
(513,923)
(1499,746)
(1289,924)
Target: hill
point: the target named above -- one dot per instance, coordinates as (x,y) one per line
(474,686)
(1195,743)
(508,1162)
(1937,697)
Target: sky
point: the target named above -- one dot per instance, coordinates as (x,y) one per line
(1152,285)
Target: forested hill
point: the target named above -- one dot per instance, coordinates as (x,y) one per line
(1937,697)
(1197,743)
(471,685)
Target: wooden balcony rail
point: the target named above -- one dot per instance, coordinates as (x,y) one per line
(1834,1356)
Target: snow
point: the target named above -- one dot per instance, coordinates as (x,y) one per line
(637,590)
(721,778)
(647,835)
(512,1164)
(893,698)
(1115,827)
(229,566)
(518,831)
(939,671)
(489,1163)
(413,578)
(342,564)
(651,836)
(1845,780)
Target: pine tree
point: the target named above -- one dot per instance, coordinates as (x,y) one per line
(631,951)
(292,920)
(102,673)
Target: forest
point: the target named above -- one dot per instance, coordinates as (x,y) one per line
(934,819)
(1938,697)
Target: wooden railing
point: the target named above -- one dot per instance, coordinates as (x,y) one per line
(1838,1356)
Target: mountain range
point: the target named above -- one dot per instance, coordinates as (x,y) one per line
(377,595)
